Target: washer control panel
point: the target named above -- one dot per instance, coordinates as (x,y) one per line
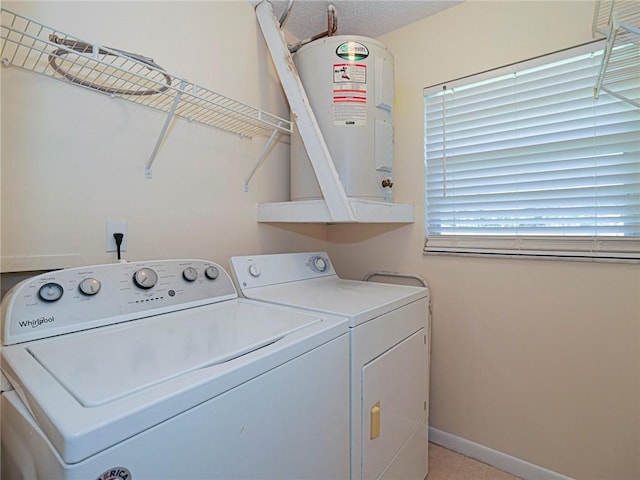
(264,270)
(73,299)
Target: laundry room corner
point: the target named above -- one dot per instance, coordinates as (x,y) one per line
(536,359)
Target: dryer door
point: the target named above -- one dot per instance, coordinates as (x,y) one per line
(394,387)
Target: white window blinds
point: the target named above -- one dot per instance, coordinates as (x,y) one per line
(527,161)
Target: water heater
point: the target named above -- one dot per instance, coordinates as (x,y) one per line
(349,82)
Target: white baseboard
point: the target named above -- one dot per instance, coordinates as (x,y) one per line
(502,461)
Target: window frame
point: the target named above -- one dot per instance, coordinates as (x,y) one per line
(579,247)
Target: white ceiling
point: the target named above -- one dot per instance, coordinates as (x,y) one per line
(369,18)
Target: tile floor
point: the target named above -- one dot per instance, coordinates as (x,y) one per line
(447,465)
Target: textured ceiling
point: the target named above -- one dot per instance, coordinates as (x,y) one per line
(370,18)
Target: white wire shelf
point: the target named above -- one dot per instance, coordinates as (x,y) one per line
(619,22)
(33,46)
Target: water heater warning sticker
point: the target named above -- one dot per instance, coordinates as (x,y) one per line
(349,72)
(350,104)
(349,94)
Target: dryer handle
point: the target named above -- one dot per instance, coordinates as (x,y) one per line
(375,421)
(383,273)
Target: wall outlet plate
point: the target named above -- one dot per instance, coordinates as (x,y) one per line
(116,227)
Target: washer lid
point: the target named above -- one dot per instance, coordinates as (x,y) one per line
(359,301)
(112,363)
(92,389)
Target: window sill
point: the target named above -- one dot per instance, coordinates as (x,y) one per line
(525,256)
(610,249)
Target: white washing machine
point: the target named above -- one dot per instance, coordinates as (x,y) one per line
(388,359)
(156,370)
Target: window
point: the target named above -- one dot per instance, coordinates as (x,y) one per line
(523,160)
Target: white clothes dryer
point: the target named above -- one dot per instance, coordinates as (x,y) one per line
(388,326)
(156,370)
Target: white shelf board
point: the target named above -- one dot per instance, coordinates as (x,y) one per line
(28,263)
(316,211)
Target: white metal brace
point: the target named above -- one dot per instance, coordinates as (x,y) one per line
(321,161)
(263,154)
(163,132)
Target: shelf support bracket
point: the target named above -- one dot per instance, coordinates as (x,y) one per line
(615,24)
(163,132)
(611,38)
(263,154)
(319,155)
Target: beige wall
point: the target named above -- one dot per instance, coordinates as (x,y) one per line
(536,359)
(73,159)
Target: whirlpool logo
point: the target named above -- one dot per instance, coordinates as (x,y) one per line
(37,322)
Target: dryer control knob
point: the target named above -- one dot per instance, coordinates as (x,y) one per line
(190,274)
(50,292)
(90,286)
(145,278)
(254,270)
(320,264)
(211,272)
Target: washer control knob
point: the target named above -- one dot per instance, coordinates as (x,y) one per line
(254,270)
(211,272)
(319,264)
(190,274)
(50,292)
(145,278)
(90,286)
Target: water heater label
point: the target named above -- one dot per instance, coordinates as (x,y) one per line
(352,51)
(350,104)
(349,94)
(349,73)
